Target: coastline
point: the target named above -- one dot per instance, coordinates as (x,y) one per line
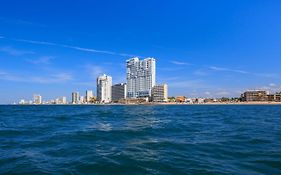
(151,103)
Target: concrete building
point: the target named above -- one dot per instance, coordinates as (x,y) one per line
(141,77)
(275,97)
(82,99)
(180,99)
(61,100)
(37,99)
(255,95)
(160,93)
(75,97)
(104,84)
(119,91)
(89,95)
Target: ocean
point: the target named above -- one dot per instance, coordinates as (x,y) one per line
(140,139)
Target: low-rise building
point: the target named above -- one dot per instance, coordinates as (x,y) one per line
(180,99)
(255,95)
(160,93)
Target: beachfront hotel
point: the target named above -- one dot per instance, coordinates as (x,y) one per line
(141,77)
(104,83)
(75,97)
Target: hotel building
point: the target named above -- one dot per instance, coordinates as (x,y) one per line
(141,77)
(104,84)
(255,95)
(75,97)
(89,96)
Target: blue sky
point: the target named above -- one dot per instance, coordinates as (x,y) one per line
(203,48)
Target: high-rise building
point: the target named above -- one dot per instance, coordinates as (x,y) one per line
(81,99)
(141,77)
(37,99)
(63,100)
(75,97)
(119,91)
(160,93)
(104,84)
(89,96)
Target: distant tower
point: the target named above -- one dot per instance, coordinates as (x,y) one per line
(37,99)
(89,95)
(104,84)
(141,77)
(75,97)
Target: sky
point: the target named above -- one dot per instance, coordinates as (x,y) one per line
(202,48)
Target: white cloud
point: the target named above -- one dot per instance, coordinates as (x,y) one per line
(89,84)
(14,52)
(222,93)
(50,79)
(20,22)
(272,88)
(75,48)
(180,63)
(171,69)
(265,75)
(41,60)
(214,68)
(200,72)
(272,84)
(94,70)
(187,84)
(207,93)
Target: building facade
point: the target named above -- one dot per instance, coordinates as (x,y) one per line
(255,95)
(141,77)
(119,92)
(104,84)
(61,100)
(160,93)
(37,99)
(89,96)
(75,97)
(275,97)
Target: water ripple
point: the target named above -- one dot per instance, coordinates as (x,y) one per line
(229,139)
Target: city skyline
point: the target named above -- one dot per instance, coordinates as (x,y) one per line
(201,50)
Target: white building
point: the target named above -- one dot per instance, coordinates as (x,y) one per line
(81,99)
(104,84)
(89,95)
(75,97)
(141,77)
(37,99)
(119,91)
(22,102)
(160,93)
(63,100)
